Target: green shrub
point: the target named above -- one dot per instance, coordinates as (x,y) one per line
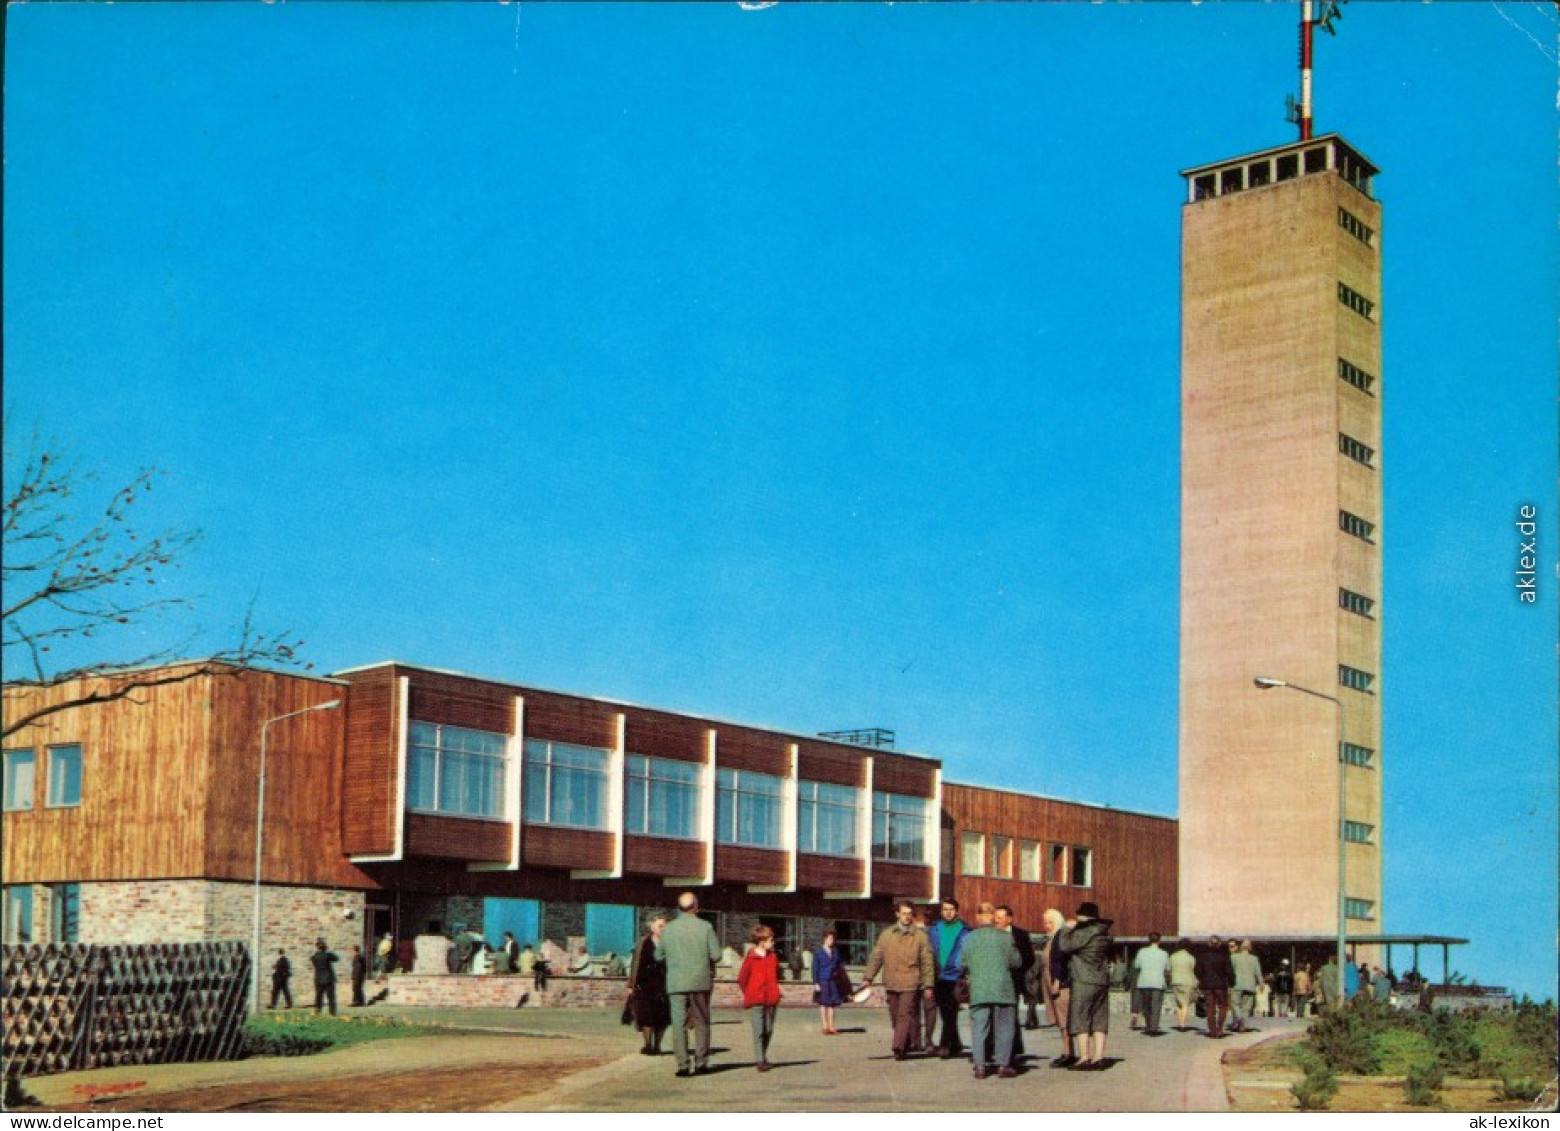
(1397,1050)
(1345,1039)
(1421,1085)
(1523,1091)
(282,1044)
(1317,1089)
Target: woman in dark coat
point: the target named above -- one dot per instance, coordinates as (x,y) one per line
(828,970)
(647,999)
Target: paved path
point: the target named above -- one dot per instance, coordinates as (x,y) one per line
(855,1072)
(846,1073)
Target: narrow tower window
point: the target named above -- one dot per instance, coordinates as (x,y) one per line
(1354,375)
(1356,451)
(1355,602)
(1357,526)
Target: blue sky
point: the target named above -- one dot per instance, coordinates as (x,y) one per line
(812,366)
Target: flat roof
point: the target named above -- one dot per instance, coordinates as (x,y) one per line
(1286,148)
(643,707)
(1062,800)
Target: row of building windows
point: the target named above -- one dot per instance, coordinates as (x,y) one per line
(1036,863)
(1359,908)
(63,777)
(1356,227)
(1355,678)
(1355,602)
(460,772)
(64,924)
(1356,755)
(1357,526)
(1358,452)
(1354,375)
(1358,832)
(1355,301)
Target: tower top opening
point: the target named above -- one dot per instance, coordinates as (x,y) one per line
(1326,154)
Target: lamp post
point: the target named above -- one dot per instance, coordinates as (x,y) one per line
(1266,683)
(254,996)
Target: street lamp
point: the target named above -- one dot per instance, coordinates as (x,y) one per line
(1266,683)
(254,996)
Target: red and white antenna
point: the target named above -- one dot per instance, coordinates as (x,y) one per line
(1308,20)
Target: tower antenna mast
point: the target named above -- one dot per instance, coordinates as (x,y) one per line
(1310,18)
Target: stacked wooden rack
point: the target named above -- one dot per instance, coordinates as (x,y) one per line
(67,1007)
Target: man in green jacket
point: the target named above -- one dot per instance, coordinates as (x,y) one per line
(905,958)
(690,950)
(989,958)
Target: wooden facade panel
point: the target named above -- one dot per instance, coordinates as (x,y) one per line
(483,708)
(370,763)
(817,761)
(457,838)
(739,748)
(908,881)
(304,779)
(829,873)
(908,776)
(143,778)
(550,847)
(661,735)
(1134,858)
(564,718)
(659,856)
(738,864)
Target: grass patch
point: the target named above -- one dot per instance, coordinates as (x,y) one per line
(301,1033)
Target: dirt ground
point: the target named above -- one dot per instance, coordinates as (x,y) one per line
(1258,1079)
(443,1073)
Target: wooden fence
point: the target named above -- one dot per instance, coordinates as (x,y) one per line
(68,1007)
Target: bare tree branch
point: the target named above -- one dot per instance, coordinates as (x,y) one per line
(70,574)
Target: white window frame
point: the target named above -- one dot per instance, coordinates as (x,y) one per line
(807,839)
(544,767)
(12,759)
(972,847)
(648,777)
(55,778)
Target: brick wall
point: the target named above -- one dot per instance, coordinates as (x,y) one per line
(176,911)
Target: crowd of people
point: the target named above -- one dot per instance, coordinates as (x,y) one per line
(929,974)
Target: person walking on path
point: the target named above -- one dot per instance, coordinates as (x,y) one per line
(1183,981)
(647,1000)
(384,957)
(1248,977)
(690,950)
(947,937)
(1283,989)
(1025,945)
(1087,947)
(324,962)
(281,980)
(1151,968)
(359,976)
(1214,975)
(760,982)
(828,972)
(990,957)
(1329,994)
(1303,988)
(905,959)
(1056,987)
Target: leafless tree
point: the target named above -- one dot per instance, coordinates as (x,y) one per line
(72,573)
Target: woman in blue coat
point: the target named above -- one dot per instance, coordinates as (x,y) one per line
(828,970)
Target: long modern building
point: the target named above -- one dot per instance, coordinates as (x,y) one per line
(427,796)
(1281,539)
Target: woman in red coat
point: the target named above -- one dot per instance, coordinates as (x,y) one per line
(760,982)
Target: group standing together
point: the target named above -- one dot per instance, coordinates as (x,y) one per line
(927,974)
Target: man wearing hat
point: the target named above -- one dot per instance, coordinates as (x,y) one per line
(1087,947)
